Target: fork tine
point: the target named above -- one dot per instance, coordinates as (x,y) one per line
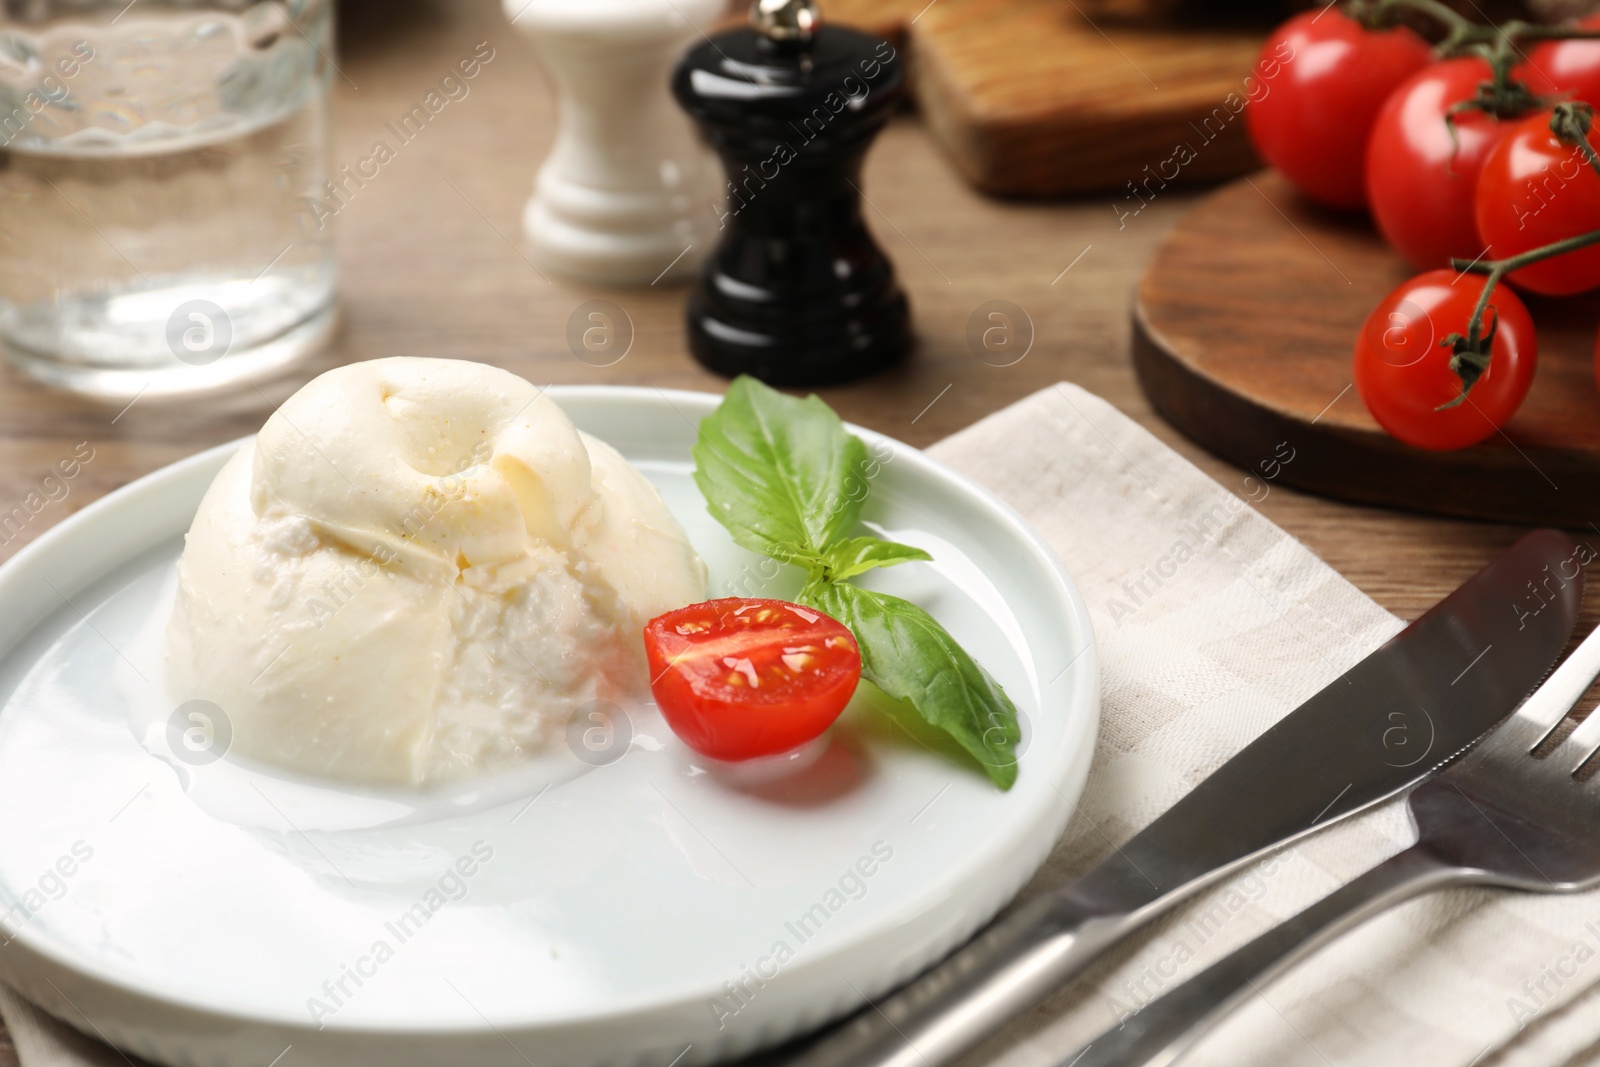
(1543,711)
(1575,751)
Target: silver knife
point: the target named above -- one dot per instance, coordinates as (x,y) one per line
(1382,727)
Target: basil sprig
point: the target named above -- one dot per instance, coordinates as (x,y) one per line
(788,481)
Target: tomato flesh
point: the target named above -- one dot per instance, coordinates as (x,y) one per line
(1325,78)
(1535,190)
(741,678)
(1403,373)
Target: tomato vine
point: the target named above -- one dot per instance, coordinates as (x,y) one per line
(1572,122)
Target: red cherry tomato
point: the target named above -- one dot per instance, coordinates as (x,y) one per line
(1313,121)
(1573,67)
(742,678)
(1421,182)
(1535,190)
(1403,370)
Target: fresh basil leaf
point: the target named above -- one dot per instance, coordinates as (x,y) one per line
(783,475)
(907,654)
(787,480)
(861,554)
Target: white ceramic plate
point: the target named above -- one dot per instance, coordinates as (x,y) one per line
(642,911)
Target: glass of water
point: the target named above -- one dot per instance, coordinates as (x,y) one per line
(157,163)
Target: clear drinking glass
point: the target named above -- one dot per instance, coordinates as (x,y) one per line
(157,160)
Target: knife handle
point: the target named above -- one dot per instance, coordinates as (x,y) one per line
(1013,965)
(1166,1028)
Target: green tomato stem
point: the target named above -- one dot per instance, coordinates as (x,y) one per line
(1572,123)
(1380,14)
(1473,351)
(1498,268)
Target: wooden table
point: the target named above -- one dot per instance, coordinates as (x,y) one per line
(432,267)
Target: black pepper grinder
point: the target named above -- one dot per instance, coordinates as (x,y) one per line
(797,292)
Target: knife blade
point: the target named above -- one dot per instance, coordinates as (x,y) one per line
(1383,726)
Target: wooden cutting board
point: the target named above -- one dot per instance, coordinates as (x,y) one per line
(1243,331)
(1035,98)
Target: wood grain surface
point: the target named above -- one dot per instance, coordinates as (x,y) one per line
(432,267)
(1035,98)
(1243,337)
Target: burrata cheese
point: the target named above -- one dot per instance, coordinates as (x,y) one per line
(418,571)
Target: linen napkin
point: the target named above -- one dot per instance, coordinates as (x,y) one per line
(1212,624)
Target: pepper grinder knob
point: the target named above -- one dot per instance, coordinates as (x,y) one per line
(796,292)
(784,20)
(624,190)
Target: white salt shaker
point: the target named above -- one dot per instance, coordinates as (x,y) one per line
(626,195)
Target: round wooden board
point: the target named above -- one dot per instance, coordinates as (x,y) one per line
(1242,339)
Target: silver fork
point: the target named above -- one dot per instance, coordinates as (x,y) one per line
(1499,817)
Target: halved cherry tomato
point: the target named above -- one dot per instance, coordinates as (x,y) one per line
(741,678)
(1535,190)
(1403,370)
(1422,181)
(1333,74)
(1573,67)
